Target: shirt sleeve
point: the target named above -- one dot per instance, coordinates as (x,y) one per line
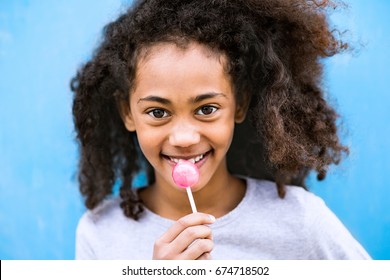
(330,239)
(84,237)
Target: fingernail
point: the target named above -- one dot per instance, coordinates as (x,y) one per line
(212,218)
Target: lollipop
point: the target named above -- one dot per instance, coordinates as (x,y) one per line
(185,174)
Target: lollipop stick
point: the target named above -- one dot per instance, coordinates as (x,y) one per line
(191,198)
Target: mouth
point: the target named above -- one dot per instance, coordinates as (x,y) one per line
(193,158)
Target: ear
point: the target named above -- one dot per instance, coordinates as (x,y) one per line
(242,109)
(125,113)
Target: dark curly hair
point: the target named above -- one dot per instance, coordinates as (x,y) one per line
(274,50)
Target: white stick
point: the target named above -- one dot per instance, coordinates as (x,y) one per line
(191,198)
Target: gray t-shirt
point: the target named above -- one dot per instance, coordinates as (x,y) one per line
(262,226)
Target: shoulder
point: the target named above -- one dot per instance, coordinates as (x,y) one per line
(95,225)
(304,216)
(295,211)
(106,211)
(296,197)
(302,207)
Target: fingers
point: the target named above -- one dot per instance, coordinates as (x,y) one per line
(205,256)
(188,238)
(199,249)
(193,242)
(186,222)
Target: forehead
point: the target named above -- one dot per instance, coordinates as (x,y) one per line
(179,47)
(168,65)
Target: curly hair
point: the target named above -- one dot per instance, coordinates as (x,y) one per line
(274,53)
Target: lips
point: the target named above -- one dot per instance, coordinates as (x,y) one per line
(194,159)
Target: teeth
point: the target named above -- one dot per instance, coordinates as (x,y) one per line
(174,160)
(198,158)
(193,160)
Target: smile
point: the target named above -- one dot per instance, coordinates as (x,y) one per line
(194,159)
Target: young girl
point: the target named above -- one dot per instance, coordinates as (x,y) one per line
(193,80)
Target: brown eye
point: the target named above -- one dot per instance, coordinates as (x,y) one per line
(206,110)
(158,113)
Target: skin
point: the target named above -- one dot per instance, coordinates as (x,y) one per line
(183,106)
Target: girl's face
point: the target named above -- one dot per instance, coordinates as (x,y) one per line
(183,107)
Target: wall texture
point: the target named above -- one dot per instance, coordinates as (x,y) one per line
(43,42)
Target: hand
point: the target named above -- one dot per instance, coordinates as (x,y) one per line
(189,238)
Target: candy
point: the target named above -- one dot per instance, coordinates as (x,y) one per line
(185,174)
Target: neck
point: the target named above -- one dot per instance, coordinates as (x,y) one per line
(221,195)
(219,198)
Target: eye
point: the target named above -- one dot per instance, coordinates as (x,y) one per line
(206,110)
(158,113)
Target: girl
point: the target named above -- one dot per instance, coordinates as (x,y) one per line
(192,80)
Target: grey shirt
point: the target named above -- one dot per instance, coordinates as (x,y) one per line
(262,226)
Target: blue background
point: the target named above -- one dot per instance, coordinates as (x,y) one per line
(43,42)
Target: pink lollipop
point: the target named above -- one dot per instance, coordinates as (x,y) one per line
(185,174)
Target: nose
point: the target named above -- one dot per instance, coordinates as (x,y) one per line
(184,134)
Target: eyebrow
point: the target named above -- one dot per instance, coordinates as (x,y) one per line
(155,98)
(208,95)
(197,99)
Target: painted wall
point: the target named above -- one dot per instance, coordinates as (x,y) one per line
(43,42)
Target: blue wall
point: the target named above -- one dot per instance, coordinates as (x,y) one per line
(41,45)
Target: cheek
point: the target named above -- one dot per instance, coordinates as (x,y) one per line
(229,129)
(144,136)
(222,135)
